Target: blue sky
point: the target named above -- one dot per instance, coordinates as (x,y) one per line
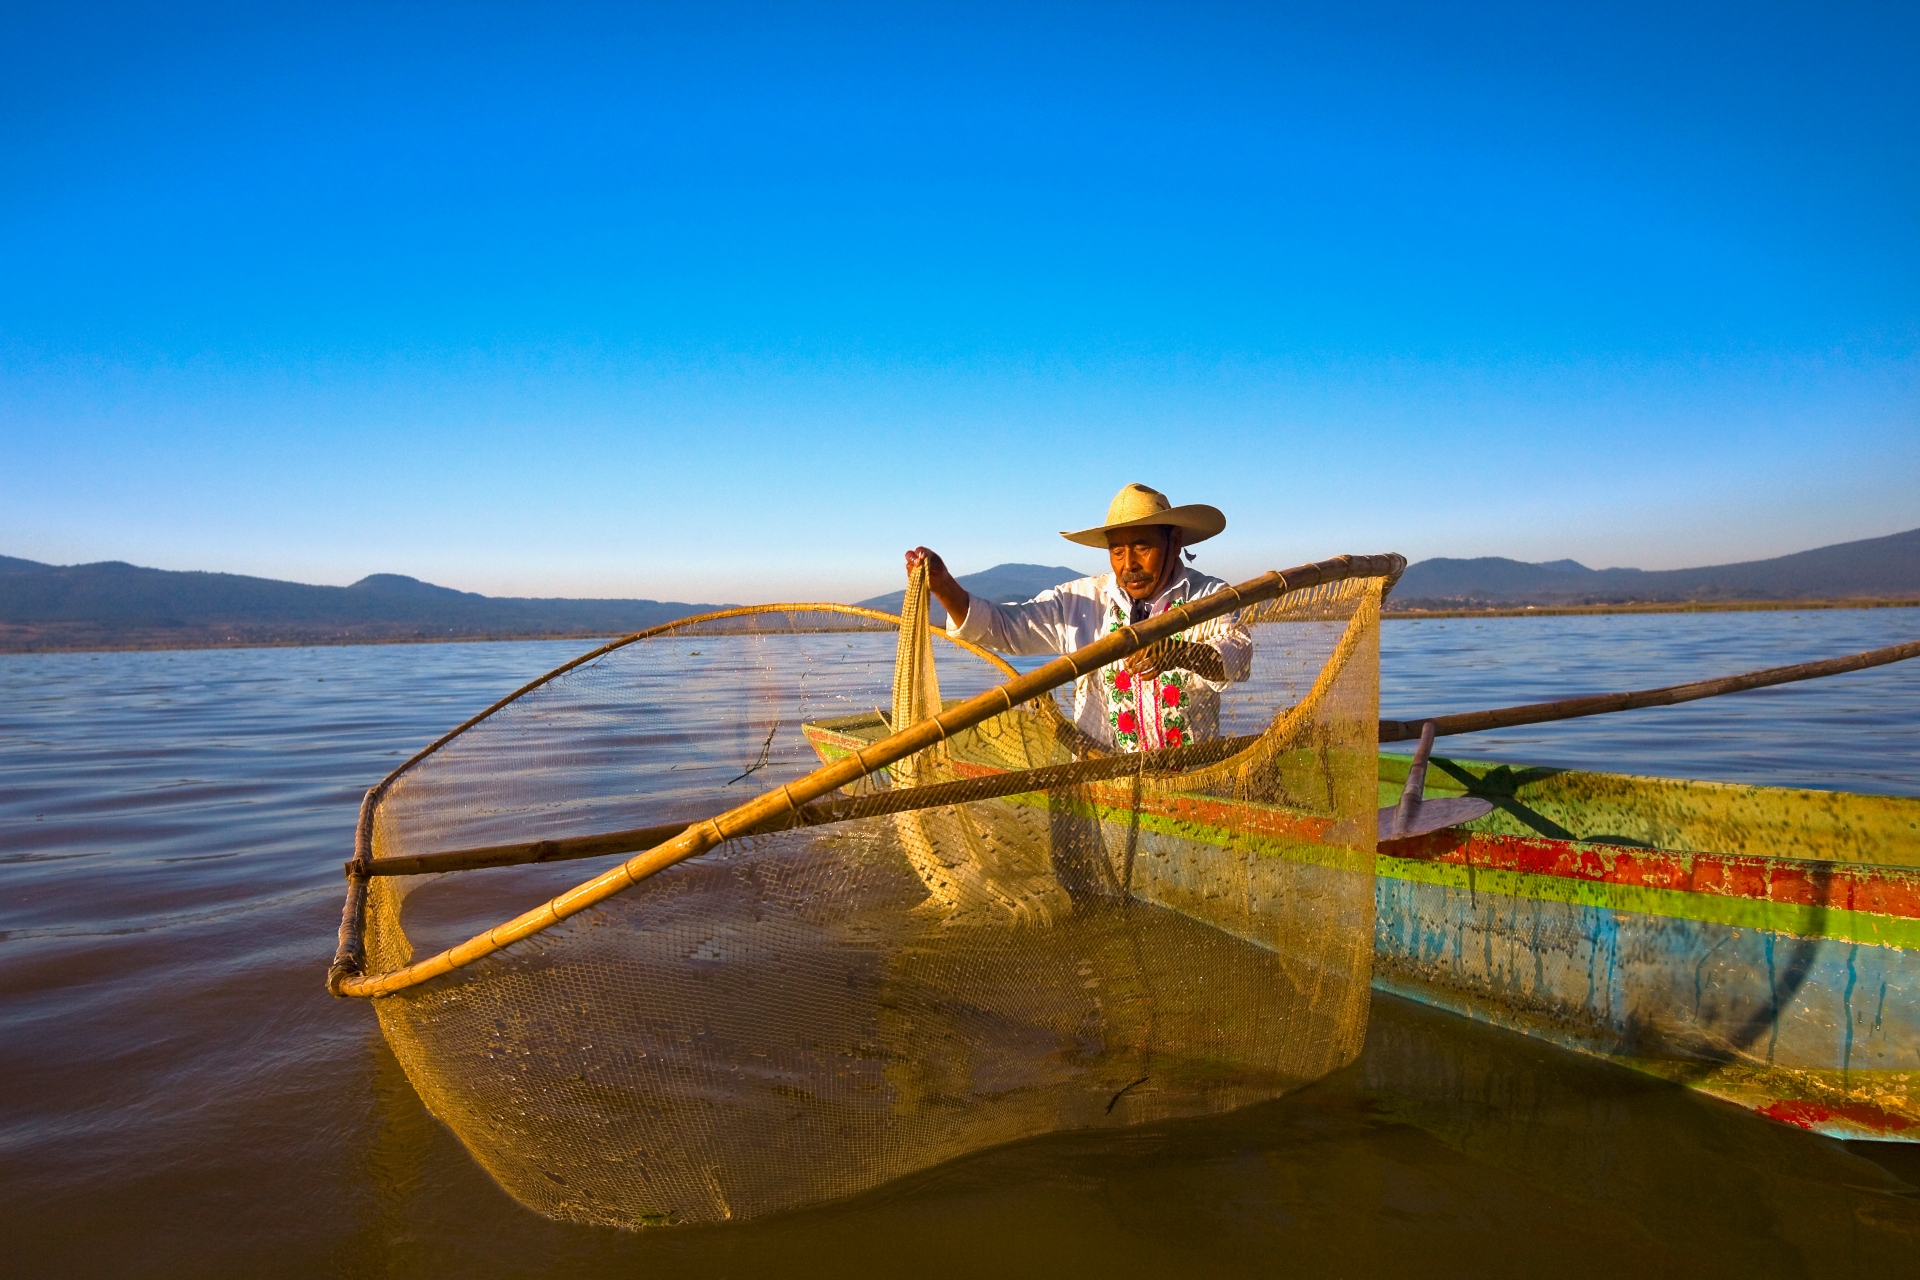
(733,302)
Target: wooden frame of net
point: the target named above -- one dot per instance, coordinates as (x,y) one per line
(797,802)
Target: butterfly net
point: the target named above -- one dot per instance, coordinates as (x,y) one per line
(807,1011)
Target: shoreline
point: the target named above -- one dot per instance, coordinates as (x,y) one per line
(1390,613)
(173,644)
(160,642)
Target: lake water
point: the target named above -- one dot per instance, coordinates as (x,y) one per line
(1856,732)
(182,1098)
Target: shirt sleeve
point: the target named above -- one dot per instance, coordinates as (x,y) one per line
(1038,626)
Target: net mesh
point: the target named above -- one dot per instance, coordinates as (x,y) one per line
(800,1015)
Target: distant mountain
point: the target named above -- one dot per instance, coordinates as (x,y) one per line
(1882,568)
(118,605)
(115,605)
(1002,584)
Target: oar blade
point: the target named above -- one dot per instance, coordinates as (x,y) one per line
(1433,815)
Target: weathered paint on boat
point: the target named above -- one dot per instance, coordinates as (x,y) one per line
(1759,944)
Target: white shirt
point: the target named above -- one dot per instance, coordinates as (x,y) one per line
(1115,708)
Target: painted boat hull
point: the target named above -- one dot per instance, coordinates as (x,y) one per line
(1759,944)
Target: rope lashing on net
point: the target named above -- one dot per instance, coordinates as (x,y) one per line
(346,975)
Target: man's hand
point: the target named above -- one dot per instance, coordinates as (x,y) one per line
(1201,659)
(951,595)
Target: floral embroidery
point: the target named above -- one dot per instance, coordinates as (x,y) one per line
(1157,720)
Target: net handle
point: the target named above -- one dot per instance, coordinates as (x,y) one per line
(777,804)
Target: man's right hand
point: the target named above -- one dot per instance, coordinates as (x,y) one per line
(945,588)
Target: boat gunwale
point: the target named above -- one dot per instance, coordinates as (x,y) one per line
(1854,900)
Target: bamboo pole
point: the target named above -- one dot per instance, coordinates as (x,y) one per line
(349,957)
(1013,782)
(756,813)
(526,852)
(1600,704)
(363,851)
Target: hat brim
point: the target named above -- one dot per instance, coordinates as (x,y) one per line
(1196,521)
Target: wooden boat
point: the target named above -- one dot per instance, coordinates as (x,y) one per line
(1759,944)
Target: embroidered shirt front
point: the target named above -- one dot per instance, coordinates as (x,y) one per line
(1112,705)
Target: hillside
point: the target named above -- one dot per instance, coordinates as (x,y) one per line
(1002,584)
(114,605)
(1878,568)
(117,605)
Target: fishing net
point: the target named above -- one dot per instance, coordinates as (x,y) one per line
(921,963)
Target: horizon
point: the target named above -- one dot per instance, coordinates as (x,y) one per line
(958,572)
(740,302)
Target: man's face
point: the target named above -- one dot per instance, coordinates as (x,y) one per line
(1138,556)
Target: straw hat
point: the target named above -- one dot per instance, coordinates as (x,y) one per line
(1137,505)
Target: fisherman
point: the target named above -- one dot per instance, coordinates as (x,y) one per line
(1165,695)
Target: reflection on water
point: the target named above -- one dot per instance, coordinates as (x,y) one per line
(1448,1149)
(182,1098)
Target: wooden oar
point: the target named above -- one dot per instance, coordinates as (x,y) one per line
(1600,704)
(1416,816)
(1423,815)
